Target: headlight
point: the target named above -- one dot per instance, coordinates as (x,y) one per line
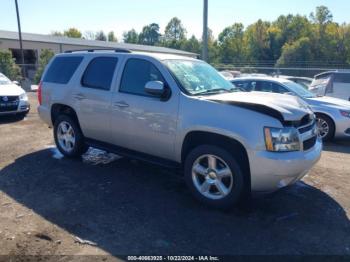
(345,113)
(23,97)
(281,139)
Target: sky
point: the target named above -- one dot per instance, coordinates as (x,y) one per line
(45,16)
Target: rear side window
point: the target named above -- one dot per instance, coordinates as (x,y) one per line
(342,78)
(62,69)
(136,74)
(99,73)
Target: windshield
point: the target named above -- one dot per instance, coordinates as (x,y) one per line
(4,80)
(299,90)
(199,78)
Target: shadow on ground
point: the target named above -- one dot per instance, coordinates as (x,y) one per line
(128,207)
(9,119)
(338,146)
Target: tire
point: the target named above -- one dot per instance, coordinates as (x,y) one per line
(69,148)
(324,122)
(196,160)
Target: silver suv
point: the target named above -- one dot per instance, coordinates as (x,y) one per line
(179,112)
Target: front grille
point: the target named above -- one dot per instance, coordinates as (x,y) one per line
(305,120)
(8,103)
(4,99)
(310,143)
(8,108)
(307,128)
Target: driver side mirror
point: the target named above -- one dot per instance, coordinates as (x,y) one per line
(155,88)
(15,82)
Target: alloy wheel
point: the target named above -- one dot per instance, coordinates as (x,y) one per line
(323,127)
(212,177)
(66,136)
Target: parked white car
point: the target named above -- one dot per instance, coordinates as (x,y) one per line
(333,115)
(13,99)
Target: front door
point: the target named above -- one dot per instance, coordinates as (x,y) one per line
(140,121)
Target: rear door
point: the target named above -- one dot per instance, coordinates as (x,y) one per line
(93,95)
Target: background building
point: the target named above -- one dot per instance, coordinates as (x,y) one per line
(33,44)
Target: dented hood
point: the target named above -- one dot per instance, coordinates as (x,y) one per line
(282,107)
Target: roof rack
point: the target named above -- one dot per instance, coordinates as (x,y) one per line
(117,50)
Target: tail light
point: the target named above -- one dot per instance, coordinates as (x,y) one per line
(39,92)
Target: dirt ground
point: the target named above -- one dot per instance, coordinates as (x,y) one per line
(50,205)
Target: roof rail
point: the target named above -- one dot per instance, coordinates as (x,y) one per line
(117,50)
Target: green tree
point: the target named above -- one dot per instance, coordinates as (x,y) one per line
(322,15)
(8,66)
(150,35)
(45,57)
(295,53)
(112,37)
(192,45)
(73,33)
(231,48)
(131,37)
(100,36)
(174,31)
(257,41)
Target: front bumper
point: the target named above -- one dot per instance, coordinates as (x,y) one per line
(23,108)
(271,171)
(342,128)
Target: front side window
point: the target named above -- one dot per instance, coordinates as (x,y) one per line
(99,73)
(198,78)
(137,73)
(62,69)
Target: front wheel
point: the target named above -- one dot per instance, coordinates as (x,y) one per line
(326,128)
(68,137)
(214,177)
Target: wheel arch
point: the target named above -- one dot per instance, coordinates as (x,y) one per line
(59,109)
(233,146)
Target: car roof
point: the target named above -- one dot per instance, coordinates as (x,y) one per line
(158,56)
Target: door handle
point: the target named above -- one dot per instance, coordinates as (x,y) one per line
(79,97)
(121,104)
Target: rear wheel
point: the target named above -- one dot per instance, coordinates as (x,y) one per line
(326,128)
(214,177)
(68,137)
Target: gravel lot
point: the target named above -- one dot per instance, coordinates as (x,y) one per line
(129,207)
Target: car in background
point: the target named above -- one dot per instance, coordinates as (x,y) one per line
(13,99)
(304,81)
(333,115)
(333,83)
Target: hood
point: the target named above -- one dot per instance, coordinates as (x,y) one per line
(11,90)
(329,102)
(283,107)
